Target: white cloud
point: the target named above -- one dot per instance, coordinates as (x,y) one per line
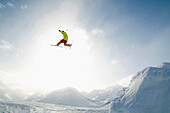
(6,45)
(23,6)
(2,6)
(10,4)
(97,31)
(96,34)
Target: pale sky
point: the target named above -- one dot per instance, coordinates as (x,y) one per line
(113,40)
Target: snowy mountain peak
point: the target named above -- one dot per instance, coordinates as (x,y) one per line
(148,92)
(67,96)
(165,65)
(153,71)
(68,89)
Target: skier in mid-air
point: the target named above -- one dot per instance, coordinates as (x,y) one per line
(64,40)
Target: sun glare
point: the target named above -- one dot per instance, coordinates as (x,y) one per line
(56,67)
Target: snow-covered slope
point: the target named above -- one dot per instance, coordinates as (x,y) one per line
(67,96)
(105,95)
(148,92)
(37,107)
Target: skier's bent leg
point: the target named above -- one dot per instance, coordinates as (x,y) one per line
(65,44)
(61,41)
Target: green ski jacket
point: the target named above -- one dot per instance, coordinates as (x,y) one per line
(65,36)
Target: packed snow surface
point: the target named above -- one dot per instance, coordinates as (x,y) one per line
(37,107)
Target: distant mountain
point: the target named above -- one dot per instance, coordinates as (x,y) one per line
(67,96)
(148,92)
(105,95)
(3,94)
(35,97)
(72,97)
(6,93)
